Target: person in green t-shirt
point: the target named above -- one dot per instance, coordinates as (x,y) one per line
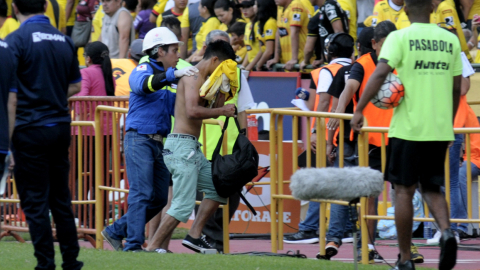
(427,59)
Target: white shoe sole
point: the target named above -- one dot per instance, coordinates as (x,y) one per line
(304,241)
(191,246)
(347,240)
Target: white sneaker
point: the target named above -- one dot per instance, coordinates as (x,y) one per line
(457,237)
(436,239)
(160,250)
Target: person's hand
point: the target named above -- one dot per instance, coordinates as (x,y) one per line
(475,22)
(330,154)
(302,65)
(271,62)
(290,65)
(188,71)
(313,143)
(229,110)
(11,166)
(317,63)
(333,123)
(357,122)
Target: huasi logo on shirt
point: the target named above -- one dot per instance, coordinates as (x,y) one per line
(431,45)
(282,32)
(38,37)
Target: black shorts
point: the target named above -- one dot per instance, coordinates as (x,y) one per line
(412,162)
(375,157)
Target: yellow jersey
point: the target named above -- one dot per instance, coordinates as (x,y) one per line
(351,13)
(185,22)
(212,23)
(121,69)
(240,54)
(446,16)
(159,7)
(9,7)
(73,15)
(382,12)
(8,27)
(403,21)
(268,34)
(97,24)
(474,10)
(62,22)
(251,43)
(477,57)
(293,15)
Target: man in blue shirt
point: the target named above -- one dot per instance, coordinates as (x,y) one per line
(148,122)
(47,75)
(8,100)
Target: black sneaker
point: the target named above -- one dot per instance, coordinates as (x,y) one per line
(463,235)
(448,254)
(116,244)
(408,265)
(302,237)
(371,256)
(196,244)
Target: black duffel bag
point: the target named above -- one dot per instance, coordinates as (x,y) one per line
(230,173)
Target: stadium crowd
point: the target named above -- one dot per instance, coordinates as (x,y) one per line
(130,48)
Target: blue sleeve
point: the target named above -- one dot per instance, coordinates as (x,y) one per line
(142,81)
(137,78)
(171,103)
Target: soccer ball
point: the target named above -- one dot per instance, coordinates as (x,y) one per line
(390,94)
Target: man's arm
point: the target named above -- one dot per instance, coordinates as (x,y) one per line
(308,51)
(153,18)
(337,26)
(465,86)
(184,47)
(294,35)
(324,102)
(74,88)
(192,100)
(278,51)
(12,110)
(69,8)
(457,81)
(371,89)
(124,26)
(351,88)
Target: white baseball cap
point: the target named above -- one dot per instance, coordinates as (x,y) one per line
(159,36)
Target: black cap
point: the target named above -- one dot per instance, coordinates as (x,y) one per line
(365,37)
(246,3)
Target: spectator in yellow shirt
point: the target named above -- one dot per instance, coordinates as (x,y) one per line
(227,13)
(97,24)
(7,25)
(56,15)
(191,23)
(385,10)
(70,14)
(158,9)
(206,9)
(446,15)
(291,36)
(251,43)
(265,32)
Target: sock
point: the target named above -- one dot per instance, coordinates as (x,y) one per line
(370,246)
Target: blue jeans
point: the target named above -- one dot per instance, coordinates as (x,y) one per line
(461,210)
(148,178)
(458,186)
(339,217)
(311,221)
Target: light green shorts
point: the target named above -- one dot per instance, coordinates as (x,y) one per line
(191,171)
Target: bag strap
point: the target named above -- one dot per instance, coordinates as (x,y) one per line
(247,203)
(56,13)
(220,142)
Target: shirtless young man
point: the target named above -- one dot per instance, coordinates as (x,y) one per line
(184,159)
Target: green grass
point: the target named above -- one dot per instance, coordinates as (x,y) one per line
(20,256)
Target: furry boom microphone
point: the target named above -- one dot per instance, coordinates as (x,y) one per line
(336,184)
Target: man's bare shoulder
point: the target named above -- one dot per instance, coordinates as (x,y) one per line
(188,82)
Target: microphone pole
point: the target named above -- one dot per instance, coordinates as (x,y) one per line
(352,210)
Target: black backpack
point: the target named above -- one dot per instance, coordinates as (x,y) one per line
(230,173)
